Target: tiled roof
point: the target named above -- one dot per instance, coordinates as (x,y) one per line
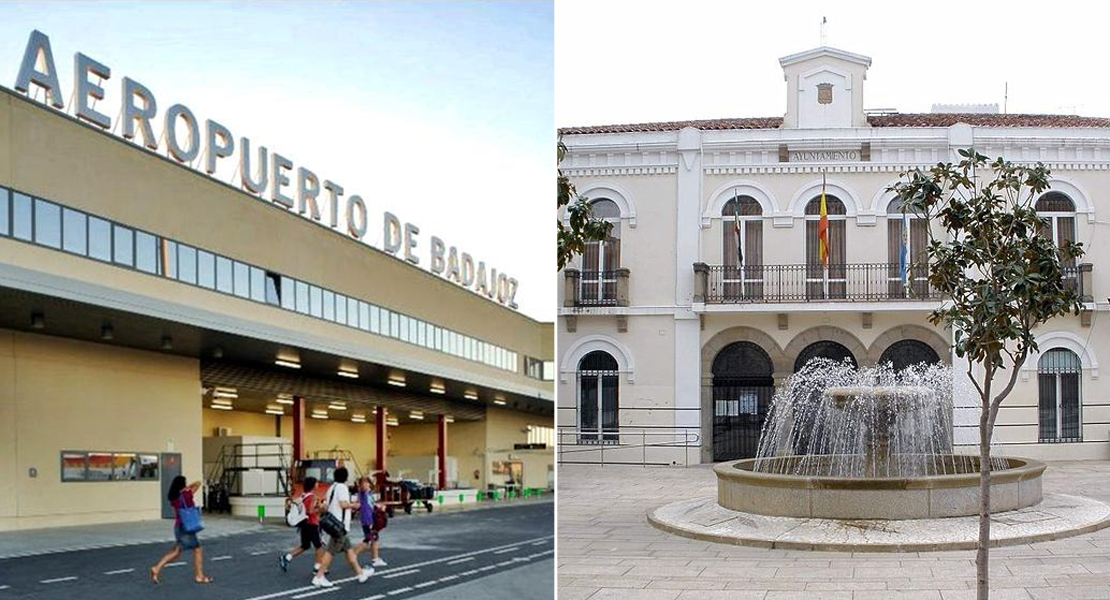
(899,120)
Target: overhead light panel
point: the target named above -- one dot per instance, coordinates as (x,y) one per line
(358,418)
(397,380)
(221,401)
(347,373)
(225,392)
(416,415)
(438,388)
(392,421)
(470,395)
(275,411)
(448,419)
(337,406)
(287,363)
(284,399)
(220,406)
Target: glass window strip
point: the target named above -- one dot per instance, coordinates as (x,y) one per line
(84,234)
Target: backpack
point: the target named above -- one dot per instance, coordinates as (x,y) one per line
(296,512)
(380,519)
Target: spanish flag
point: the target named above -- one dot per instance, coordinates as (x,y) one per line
(823,228)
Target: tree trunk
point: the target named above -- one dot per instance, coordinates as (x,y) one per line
(982,555)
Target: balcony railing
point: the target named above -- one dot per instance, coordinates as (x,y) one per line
(596,288)
(873,282)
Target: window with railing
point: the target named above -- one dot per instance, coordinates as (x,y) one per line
(1057,213)
(742,247)
(52,225)
(597,284)
(907,240)
(598,391)
(826,279)
(1059,374)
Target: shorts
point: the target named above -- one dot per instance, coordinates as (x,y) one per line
(339,544)
(188,541)
(310,535)
(369,534)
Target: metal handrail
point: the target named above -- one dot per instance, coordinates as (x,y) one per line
(815,283)
(223,471)
(690,438)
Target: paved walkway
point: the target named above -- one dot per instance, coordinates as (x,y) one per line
(608,550)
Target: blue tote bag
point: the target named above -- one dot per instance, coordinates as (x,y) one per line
(190,519)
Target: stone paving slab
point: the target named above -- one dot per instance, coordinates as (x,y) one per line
(1057,516)
(602,521)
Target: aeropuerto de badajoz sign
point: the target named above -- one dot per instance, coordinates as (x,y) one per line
(260,172)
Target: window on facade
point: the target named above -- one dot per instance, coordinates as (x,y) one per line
(598,389)
(822,281)
(108,466)
(258,284)
(224,275)
(75,227)
(274,288)
(742,248)
(22,217)
(146,252)
(600,261)
(169,258)
(123,245)
(187,263)
(206,269)
(1058,380)
(1057,212)
(241,279)
(100,239)
(5,203)
(915,282)
(48,224)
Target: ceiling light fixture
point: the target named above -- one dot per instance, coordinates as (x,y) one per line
(284,400)
(221,401)
(416,415)
(287,363)
(357,418)
(392,422)
(499,402)
(337,406)
(397,380)
(470,395)
(346,373)
(448,419)
(220,406)
(319,416)
(437,388)
(275,411)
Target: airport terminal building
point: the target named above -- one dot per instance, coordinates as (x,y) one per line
(155,320)
(671,345)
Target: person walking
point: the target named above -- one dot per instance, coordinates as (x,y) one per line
(181,496)
(373,521)
(340,505)
(309,527)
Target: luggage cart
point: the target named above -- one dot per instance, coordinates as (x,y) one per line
(403,493)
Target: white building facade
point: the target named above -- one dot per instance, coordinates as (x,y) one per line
(670,345)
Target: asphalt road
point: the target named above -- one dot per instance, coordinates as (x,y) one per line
(427,555)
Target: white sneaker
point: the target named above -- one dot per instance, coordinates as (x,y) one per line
(321,582)
(379,562)
(365,574)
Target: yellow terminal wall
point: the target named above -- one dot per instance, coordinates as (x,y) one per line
(58,394)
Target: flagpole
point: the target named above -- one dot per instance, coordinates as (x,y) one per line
(825,258)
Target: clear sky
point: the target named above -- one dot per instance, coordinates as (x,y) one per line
(699,59)
(441,113)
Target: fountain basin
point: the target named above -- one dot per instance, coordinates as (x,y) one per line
(1015,484)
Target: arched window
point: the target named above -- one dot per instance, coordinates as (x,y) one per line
(824,349)
(743,386)
(600,261)
(905,353)
(598,388)
(1058,378)
(822,282)
(1057,212)
(742,248)
(914,282)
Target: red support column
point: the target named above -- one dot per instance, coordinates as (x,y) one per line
(298,427)
(380,429)
(442,452)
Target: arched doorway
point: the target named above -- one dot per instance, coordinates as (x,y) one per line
(905,353)
(824,349)
(743,386)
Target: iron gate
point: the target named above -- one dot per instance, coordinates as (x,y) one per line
(739,410)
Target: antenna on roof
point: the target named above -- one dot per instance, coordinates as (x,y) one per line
(824,31)
(1005,97)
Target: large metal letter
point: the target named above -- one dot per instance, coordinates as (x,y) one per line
(278,179)
(82,66)
(356,227)
(410,242)
(224,148)
(334,192)
(182,155)
(467,270)
(482,287)
(47,79)
(391,233)
(511,301)
(453,265)
(132,88)
(254,185)
(438,248)
(308,187)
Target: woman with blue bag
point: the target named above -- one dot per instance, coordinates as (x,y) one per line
(185,527)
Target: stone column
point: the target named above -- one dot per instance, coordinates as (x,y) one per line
(687,327)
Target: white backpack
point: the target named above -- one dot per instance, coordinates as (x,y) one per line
(296,512)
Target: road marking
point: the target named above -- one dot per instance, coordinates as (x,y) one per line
(425,584)
(260,552)
(375,597)
(471,572)
(461,560)
(4,587)
(118,571)
(505,562)
(399,591)
(513,549)
(539,543)
(316,593)
(224,557)
(177,564)
(488,568)
(58,580)
(421,564)
(401,574)
(448,578)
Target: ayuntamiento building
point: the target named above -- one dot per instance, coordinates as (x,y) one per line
(155,320)
(670,347)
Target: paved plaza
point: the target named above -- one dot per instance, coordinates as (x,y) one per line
(607,549)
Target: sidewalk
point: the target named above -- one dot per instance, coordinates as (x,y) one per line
(31,542)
